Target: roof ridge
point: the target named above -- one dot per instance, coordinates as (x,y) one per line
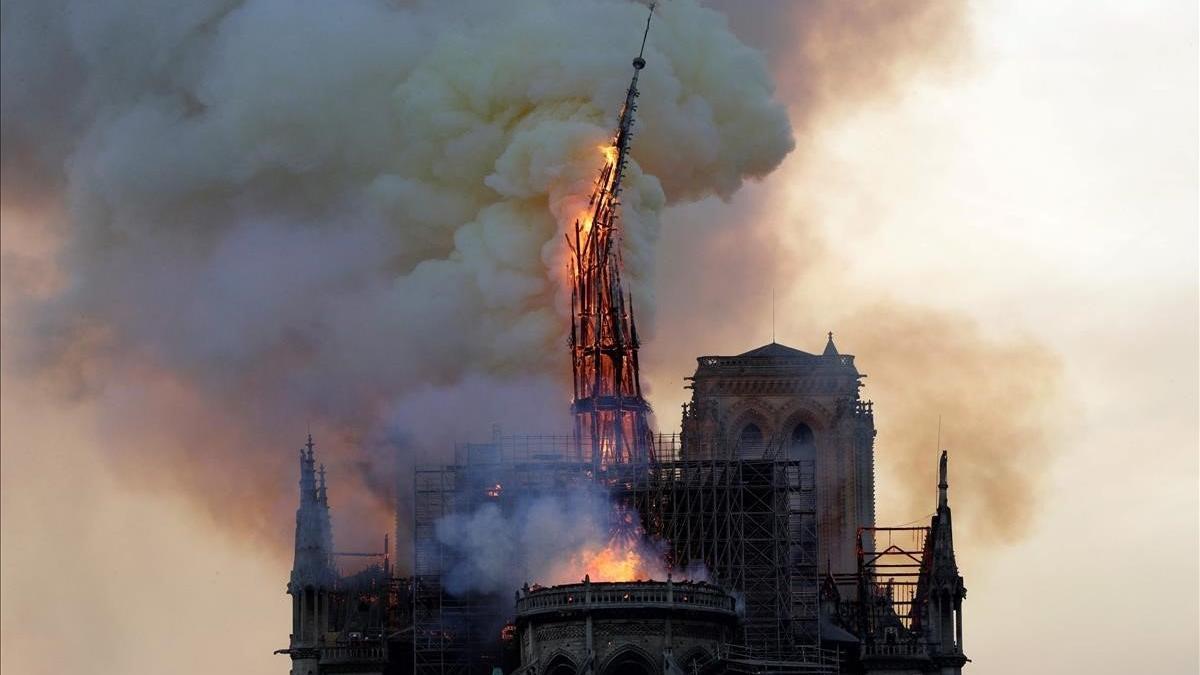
(775,349)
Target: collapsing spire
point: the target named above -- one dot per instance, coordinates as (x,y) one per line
(611,417)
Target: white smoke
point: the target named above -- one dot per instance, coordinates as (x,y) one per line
(546,539)
(348,213)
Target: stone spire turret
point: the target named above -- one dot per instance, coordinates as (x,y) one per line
(830,348)
(313,574)
(313,562)
(941,586)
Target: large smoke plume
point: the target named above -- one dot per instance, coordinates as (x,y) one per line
(270,214)
(267,214)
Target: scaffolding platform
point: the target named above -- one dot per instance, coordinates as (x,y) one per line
(752,523)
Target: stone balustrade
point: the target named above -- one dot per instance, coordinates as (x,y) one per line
(621,595)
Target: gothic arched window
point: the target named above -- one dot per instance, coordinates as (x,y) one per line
(561,665)
(630,663)
(802,444)
(751,441)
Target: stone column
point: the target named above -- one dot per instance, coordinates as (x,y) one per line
(958,629)
(303,615)
(295,617)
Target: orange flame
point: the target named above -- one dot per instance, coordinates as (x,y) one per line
(584,217)
(623,558)
(626,556)
(610,153)
(614,563)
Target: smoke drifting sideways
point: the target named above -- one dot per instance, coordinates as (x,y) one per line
(269,214)
(831,57)
(1000,394)
(994,401)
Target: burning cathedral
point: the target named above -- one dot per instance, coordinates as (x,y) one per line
(766,556)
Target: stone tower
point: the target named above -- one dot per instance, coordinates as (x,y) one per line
(779,401)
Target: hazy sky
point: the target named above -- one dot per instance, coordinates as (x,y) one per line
(1044,187)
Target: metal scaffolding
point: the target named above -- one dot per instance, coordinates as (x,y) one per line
(882,603)
(752,523)
(457,633)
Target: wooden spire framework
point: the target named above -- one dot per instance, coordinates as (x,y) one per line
(611,416)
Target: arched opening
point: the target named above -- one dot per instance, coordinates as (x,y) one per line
(802,445)
(560,665)
(630,663)
(750,441)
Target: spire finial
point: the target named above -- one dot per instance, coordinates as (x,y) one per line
(943,485)
(625,122)
(308,479)
(830,348)
(640,62)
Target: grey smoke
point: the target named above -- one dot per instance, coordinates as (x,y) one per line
(273,213)
(536,539)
